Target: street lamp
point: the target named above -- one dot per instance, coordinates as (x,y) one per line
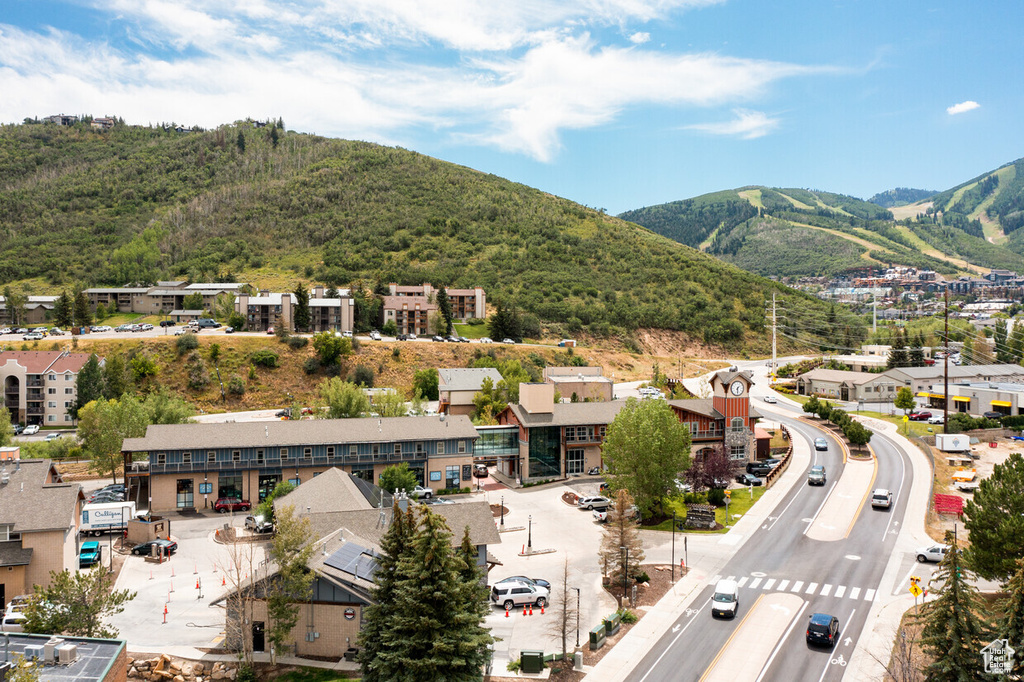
(529,532)
(577,617)
(503,512)
(674,547)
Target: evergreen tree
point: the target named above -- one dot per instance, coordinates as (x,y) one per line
(89,385)
(332,292)
(444,306)
(999,336)
(376,634)
(116,380)
(993,516)
(1016,343)
(953,630)
(916,357)
(437,630)
(82,312)
(273,137)
(240,142)
(63,310)
(1011,624)
(300,315)
(505,323)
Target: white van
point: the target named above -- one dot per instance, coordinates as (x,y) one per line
(13,622)
(726,601)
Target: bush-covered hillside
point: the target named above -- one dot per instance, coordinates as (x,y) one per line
(141,204)
(900,196)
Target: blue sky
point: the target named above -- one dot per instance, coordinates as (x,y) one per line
(615,104)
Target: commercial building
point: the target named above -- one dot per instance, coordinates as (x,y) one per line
(456,387)
(860,386)
(40,386)
(976,397)
(190,466)
(580,384)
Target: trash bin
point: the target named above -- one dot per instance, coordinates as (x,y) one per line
(531,660)
(597,636)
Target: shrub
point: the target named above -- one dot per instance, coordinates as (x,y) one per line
(389,328)
(628,617)
(236,386)
(475,321)
(246,673)
(642,578)
(716,497)
(198,377)
(362,376)
(187,342)
(264,358)
(252,373)
(396,353)
(297,342)
(311,365)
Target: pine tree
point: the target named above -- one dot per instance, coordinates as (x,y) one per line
(240,142)
(444,306)
(394,544)
(1016,343)
(82,313)
(89,385)
(999,337)
(301,315)
(63,310)
(952,626)
(437,631)
(1011,625)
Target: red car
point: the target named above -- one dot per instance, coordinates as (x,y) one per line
(920,416)
(231,504)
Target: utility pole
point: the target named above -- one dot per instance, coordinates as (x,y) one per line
(945,367)
(774,333)
(874,312)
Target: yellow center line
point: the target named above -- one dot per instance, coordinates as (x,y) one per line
(725,647)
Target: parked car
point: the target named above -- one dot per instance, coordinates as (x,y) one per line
(258,524)
(204,322)
(511,595)
(601,515)
(89,555)
(593,502)
(412,337)
(508,340)
(32,336)
(993,415)
(13,622)
(52,436)
(271,330)
(452,339)
(31,430)
(820,444)
(937,419)
(420,491)
(748,479)
(816,476)
(231,504)
(165,546)
(375,335)
(920,416)
(102,328)
(770,399)
(123,328)
(486,339)
(56,331)
(822,628)
(437,338)
(881,499)
(229,330)
(539,582)
(18,428)
(5,330)
(402,337)
(480,471)
(932,553)
(167,323)
(758,468)
(182,330)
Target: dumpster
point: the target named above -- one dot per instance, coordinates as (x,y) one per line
(531,660)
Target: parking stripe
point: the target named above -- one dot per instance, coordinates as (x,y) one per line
(755,582)
(869,595)
(783,585)
(797,585)
(826,590)
(840,591)
(854,592)
(768,584)
(811,588)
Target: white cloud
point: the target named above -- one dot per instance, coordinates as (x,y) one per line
(962,107)
(748,125)
(640,37)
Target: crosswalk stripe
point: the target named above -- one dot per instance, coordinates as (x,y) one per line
(840,591)
(826,590)
(797,585)
(768,584)
(731,577)
(742,581)
(869,595)
(783,585)
(811,588)
(717,577)
(755,582)
(854,592)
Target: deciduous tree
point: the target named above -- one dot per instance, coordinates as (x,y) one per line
(645,448)
(904,399)
(390,403)
(622,533)
(76,604)
(6,426)
(563,608)
(102,427)
(397,477)
(344,400)
(425,381)
(290,587)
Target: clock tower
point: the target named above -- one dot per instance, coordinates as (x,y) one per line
(732,397)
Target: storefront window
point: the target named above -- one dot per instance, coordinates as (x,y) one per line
(545,452)
(267,485)
(229,486)
(184,497)
(451,476)
(575,461)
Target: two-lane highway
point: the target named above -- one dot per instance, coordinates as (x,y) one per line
(785,574)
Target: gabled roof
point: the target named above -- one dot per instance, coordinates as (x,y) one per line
(333,490)
(42,361)
(570,414)
(300,432)
(465,378)
(701,406)
(29,503)
(13,554)
(838,376)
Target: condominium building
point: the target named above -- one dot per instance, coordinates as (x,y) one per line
(40,386)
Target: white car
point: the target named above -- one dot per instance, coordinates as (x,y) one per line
(932,553)
(936,419)
(411,337)
(5,330)
(31,430)
(881,499)
(507,340)
(770,399)
(486,339)
(32,336)
(375,335)
(420,491)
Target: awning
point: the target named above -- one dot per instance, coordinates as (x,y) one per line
(960,399)
(924,394)
(1002,403)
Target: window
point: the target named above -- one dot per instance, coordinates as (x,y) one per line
(353,450)
(736,422)
(68,377)
(375,449)
(419,448)
(51,418)
(51,391)
(440,447)
(67,417)
(161,458)
(51,403)
(186,458)
(451,476)
(462,446)
(601,431)
(737,452)
(575,460)
(330,452)
(307,453)
(284,454)
(398,449)
(259,456)
(53,377)
(69,391)
(211,457)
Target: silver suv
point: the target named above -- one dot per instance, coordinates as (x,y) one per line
(512,594)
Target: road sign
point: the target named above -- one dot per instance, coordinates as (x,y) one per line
(915,590)
(906,418)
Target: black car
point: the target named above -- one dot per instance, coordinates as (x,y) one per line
(402,337)
(167,323)
(993,415)
(748,479)
(438,337)
(229,330)
(823,629)
(166,546)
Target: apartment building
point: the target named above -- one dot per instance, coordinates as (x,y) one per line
(278,310)
(162,298)
(37,310)
(40,386)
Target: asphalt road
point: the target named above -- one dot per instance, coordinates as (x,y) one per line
(784,577)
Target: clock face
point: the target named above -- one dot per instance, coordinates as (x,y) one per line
(736,388)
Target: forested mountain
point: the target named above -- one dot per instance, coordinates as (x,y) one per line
(138,204)
(794,232)
(901,196)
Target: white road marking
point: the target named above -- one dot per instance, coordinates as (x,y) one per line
(840,591)
(768,584)
(820,507)
(717,577)
(783,585)
(754,583)
(854,592)
(811,588)
(784,510)
(778,646)
(742,581)
(680,634)
(869,595)
(896,498)
(826,590)
(797,585)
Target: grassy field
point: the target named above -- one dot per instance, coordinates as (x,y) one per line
(472,331)
(915,429)
(741,502)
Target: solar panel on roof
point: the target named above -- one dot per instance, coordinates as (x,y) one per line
(355,560)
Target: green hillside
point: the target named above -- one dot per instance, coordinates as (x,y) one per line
(900,196)
(794,232)
(79,207)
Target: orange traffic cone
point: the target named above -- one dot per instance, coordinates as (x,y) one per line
(197,583)
(542,610)
(506,613)
(531,609)
(524,609)
(223,581)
